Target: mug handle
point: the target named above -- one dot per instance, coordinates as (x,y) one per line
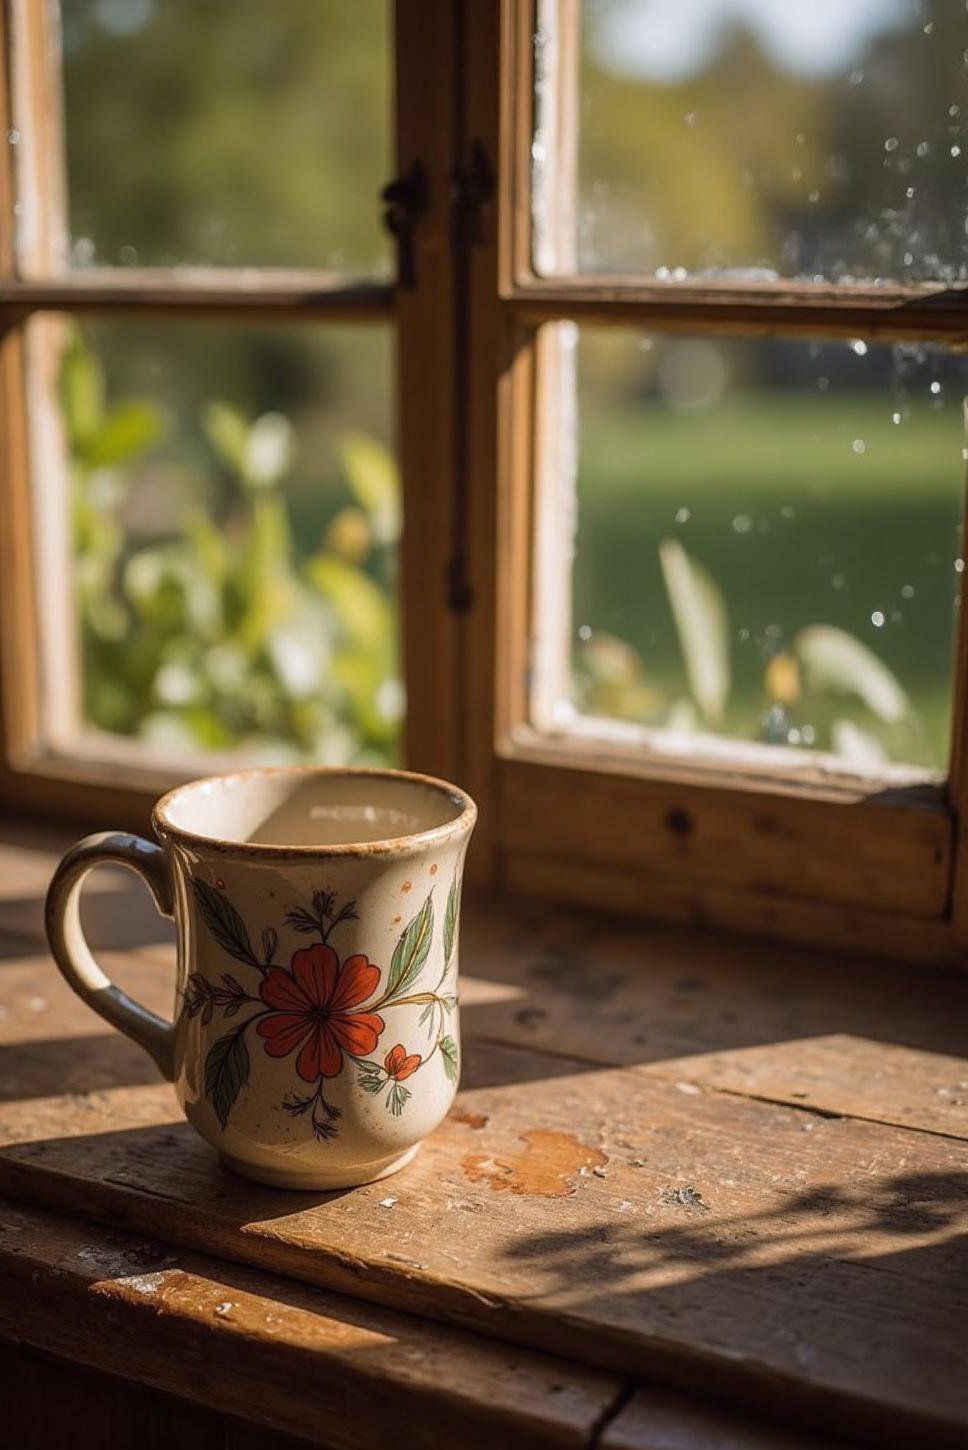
(69,946)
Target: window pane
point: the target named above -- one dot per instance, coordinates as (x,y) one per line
(754,139)
(767,545)
(227,133)
(231,585)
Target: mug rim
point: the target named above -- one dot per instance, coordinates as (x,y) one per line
(408,844)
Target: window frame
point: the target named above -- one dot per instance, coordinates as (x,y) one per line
(559,820)
(849,865)
(87,784)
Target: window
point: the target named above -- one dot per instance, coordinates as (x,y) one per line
(673,387)
(200,378)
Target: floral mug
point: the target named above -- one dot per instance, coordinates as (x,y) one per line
(315,1040)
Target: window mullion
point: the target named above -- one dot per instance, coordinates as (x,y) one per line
(427,135)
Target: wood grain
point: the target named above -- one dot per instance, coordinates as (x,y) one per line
(873,854)
(730,911)
(211,292)
(277,1354)
(654,1420)
(730,1246)
(617,1182)
(794,309)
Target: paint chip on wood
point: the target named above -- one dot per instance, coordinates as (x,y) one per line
(547,1167)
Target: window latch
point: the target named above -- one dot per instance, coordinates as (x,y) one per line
(404,199)
(472,187)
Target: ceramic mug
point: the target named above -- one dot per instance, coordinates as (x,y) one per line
(315,1041)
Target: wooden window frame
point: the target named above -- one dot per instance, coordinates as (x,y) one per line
(797,856)
(87,785)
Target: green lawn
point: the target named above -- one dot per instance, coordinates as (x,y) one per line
(797,525)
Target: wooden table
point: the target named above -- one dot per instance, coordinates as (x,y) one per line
(695,1192)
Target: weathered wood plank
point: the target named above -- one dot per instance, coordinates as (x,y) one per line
(726,1245)
(293,1359)
(655,1420)
(873,853)
(832,1031)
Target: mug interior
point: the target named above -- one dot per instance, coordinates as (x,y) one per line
(312,808)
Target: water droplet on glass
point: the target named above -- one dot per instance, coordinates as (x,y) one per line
(856,78)
(859,347)
(924,148)
(127,255)
(788,511)
(683,515)
(877,619)
(814,196)
(13,136)
(936,387)
(891,144)
(859,446)
(954,111)
(823,384)
(585,633)
(959,566)
(956,150)
(907,591)
(690,118)
(742,523)
(838,582)
(895,418)
(808,734)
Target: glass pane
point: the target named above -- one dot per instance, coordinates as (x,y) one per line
(767,545)
(228,133)
(236,514)
(755,139)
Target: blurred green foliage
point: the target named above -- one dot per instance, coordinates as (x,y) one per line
(827,690)
(217,637)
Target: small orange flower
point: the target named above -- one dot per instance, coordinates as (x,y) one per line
(398,1065)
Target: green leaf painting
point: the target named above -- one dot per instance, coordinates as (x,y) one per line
(411,950)
(448,1051)
(224,922)
(226,1071)
(450,920)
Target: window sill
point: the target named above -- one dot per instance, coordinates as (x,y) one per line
(716,1164)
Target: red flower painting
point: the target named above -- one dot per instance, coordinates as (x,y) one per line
(315,1009)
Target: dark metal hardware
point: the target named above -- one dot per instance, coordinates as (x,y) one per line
(404,199)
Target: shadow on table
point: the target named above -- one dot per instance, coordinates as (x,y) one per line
(826,1309)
